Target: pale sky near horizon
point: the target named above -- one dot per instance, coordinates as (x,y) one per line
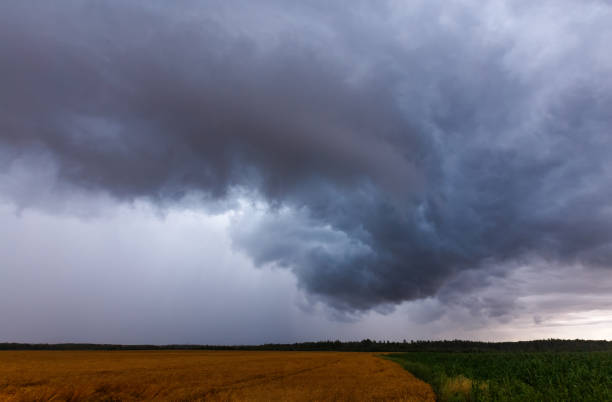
(232,172)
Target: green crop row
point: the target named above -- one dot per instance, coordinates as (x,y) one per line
(508,376)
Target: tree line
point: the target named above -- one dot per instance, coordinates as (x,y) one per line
(365,345)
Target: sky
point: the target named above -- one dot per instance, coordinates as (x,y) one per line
(238,172)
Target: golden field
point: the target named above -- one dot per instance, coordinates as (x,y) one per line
(204,375)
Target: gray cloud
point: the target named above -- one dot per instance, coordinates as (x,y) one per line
(396,146)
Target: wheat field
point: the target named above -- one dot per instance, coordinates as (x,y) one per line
(204,375)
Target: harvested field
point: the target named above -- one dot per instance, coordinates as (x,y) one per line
(204,375)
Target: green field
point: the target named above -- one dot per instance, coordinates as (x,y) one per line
(513,376)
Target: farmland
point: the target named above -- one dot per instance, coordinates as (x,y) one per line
(204,375)
(545,370)
(513,376)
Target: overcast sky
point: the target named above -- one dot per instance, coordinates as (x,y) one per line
(246,172)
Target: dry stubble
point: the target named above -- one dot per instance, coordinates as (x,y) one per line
(204,375)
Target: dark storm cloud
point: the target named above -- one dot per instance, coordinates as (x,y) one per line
(397,146)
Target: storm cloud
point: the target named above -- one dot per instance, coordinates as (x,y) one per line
(387,150)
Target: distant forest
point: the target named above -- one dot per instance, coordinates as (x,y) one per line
(366,345)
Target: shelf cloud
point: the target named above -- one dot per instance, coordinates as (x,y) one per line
(389,151)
